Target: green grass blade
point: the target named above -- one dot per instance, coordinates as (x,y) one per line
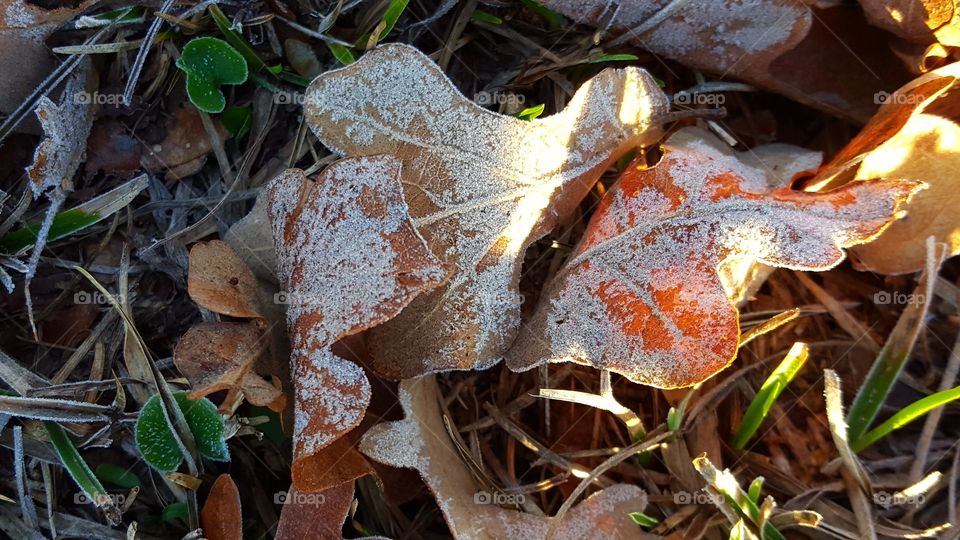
(117,475)
(392,15)
(554,19)
(906,415)
(236,40)
(891,360)
(531,113)
(623,57)
(753,492)
(76,219)
(724,483)
(80,471)
(341,53)
(644,520)
(480,15)
(769,392)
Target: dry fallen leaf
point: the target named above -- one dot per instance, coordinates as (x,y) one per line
(914,136)
(217,356)
(306,516)
(641,295)
(918,21)
(185,148)
(25,60)
(825,58)
(481,187)
(219,280)
(252,240)
(350,259)
(332,465)
(220,517)
(65,128)
(420,441)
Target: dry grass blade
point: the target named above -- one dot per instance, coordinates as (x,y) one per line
(27,509)
(57,410)
(604,401)
(855,476)
(768,325)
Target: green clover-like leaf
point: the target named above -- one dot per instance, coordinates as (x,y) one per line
(157,443)
(209,63)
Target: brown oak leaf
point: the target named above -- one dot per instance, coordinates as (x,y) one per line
(420,441)
(350,258)
(641,296)
(481,187)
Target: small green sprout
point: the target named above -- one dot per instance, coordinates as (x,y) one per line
(209,63)
(158,445)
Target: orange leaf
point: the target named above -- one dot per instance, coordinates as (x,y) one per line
(220,517)
(350,259)
(641,294)
(481,187)
(220,281)
(219,356)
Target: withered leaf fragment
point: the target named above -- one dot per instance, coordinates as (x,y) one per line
(220,281)
(217,356)
(916,136)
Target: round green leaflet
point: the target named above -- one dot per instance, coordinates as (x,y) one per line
(209,63)
(157,444)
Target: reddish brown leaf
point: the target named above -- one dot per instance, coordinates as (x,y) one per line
(350,259)
(330,466)
(220,356)
(481,187)
(315,516)
(220,281)
(220,517)
(420,441)
(641,295)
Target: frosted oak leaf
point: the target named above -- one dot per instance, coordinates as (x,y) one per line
(481,187)
(641,296)
(420,441)
(349,259)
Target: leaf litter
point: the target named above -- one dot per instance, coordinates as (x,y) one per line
(460,196)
